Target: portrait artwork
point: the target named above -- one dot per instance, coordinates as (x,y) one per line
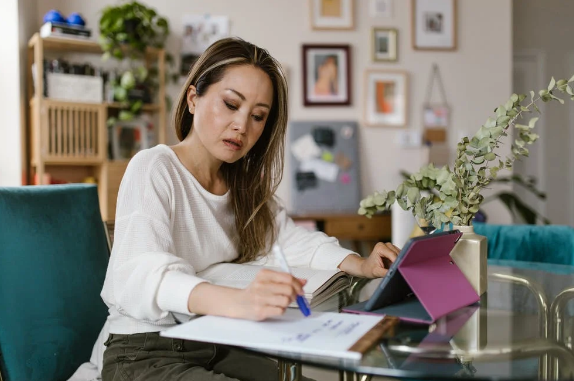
(326,75)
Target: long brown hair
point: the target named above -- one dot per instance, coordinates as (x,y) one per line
(253,179)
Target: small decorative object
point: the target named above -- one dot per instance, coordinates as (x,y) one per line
(384,44)
(76,19)
(326,75)
(381,8)
(435,115)
(434,24)
(200,31)
(54,16)
(386,98)
(332,14)
(455,193)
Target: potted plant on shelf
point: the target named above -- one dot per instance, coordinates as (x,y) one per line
(126,31)
(455,195)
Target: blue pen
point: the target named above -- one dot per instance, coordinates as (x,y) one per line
(301,301)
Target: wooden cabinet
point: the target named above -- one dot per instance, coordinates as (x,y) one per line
(352,227)
(69,140)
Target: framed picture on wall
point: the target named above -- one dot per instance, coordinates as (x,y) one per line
(332,14)
(384,44)
(386,98)
(326,75)
(434,24)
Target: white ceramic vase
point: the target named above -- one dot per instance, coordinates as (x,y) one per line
(470,256)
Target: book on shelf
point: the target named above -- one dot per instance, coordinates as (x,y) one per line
(53,29)
(321,284)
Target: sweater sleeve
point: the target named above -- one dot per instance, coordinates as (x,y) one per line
(304,248)
(148,278)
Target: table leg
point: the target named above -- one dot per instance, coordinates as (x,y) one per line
(345,375)
(289,371)
(557,323)
(545,363)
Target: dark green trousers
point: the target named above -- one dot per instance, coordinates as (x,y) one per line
(148,356)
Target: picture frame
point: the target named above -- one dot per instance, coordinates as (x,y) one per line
(384,44)
(434,25)
(386,94)
(332,14)
(326,75)
(436,115)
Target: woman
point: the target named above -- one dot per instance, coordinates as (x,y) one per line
(206,200)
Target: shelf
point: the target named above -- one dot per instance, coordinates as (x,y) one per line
(145,107)
(76,45)
(70,161)
(151,107)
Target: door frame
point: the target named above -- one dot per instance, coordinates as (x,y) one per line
(539,57)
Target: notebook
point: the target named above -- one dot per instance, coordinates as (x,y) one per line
(321,284)
(329,334)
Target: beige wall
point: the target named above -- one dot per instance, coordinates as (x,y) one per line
(477,77)
(10,142)
(553,41)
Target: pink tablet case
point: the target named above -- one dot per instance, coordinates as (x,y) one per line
(434,278)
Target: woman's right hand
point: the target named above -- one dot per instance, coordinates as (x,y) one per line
(268,295)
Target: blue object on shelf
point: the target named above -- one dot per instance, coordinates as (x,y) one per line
(54,15)
(76,19)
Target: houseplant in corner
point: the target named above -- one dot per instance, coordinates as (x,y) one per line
(455,195)
(126,31)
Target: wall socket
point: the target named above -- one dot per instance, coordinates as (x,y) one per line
(409,139)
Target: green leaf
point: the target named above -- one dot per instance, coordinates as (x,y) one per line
(490,156)
(571,79)
(514,98)
(125,115)
(551,84)
(532,95)
(532,122)
(413,195)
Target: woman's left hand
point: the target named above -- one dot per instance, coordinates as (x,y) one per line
(379,261)
(375,266)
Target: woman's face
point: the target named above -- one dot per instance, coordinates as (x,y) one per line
(229,118)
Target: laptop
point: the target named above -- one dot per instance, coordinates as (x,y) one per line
(423,284)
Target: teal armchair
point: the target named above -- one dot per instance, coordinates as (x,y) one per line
(551,244)
(53,260)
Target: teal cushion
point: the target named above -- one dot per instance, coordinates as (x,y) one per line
(531,243)
(53,259)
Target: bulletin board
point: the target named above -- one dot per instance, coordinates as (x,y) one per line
(324,165)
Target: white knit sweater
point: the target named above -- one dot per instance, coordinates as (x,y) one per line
(168,228)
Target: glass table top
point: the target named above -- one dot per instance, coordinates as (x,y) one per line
(521,329)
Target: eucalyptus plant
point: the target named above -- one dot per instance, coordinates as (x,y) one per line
(456,195)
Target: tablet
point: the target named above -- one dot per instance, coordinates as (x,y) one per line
(394,288)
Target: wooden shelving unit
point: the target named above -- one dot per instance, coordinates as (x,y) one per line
(70,139)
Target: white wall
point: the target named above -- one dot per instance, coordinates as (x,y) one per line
(553,41)
(477,77)
(10,143)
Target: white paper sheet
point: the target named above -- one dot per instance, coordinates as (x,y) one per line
(322,334)
(322,169)
(305,148)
